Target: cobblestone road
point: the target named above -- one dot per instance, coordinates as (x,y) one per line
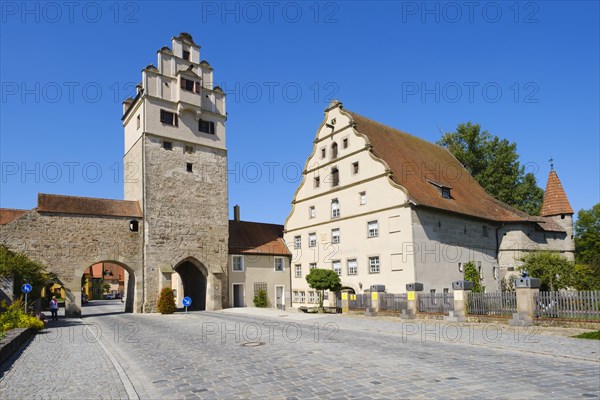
(232,354)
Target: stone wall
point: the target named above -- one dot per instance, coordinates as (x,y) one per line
(186,216)
(68,244)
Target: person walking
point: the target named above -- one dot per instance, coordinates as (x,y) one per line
(54,308)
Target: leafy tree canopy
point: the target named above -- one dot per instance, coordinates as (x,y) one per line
(24,270)
(587,247)
(472,274)
(494,163)
(323,279)
(554,270)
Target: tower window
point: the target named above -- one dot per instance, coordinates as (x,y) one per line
(168,118)
(363,198)
(190,167)
(206,126)
(335,177)
(355,167)
(167,145)
(138,121)
(133,225)
(323,152)
(188,149)
(334,150)
(345,143)
(186,55)
(317,182)
(335,208)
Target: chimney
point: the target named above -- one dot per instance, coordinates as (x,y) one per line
(236,213)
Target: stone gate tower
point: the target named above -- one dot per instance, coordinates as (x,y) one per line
(175,164)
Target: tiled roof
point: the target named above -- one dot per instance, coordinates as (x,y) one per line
(422,168)
(555,199)
(10,214)
(256,238)
(88,206)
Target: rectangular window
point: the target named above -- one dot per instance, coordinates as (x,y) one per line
(345,143)
(337,267)
(302,296)
(480,270)
(279,264)
(374,265)
(312,212)
(317,182)
(238,263)
(312,239)
(323,152)
(446,193)
(296,296)
(190,85)
(484,231)
(186,55)
(363,198)
(168,118)
(311,297)
(373,229)
(335,208)
(138,122)
(352,267)
(189,167)
(495,272)
(167,145)
(298,270)
(297,242)
(312,265)
(206,126)
(355,167)
(460,267)
(335,235)
(188,149)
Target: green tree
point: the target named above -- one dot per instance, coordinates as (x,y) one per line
(261,300)
(587,248)
(323,279)
(472,274)
(554,270)
(22,269)
(494,163)
(106,288)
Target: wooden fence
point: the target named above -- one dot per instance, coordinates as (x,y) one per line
(500,303)
(584,305)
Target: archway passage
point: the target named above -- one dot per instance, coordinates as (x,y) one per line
(194,284)
(107,288)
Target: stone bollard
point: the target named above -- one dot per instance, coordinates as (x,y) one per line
(412,298)
(527,289)
(461,295)
(374,309)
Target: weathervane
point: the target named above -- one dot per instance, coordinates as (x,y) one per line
(551,161)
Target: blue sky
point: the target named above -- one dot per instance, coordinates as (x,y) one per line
(526,71)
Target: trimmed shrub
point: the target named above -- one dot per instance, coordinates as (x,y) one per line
(260,300)
(166,302)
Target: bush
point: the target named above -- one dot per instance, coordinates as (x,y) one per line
(166,302)
(13,317)
(260,300)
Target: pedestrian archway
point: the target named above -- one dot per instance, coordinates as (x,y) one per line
(107,287)
(190,281)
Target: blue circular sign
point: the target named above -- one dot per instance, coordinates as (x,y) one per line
(26,288)
(187,301)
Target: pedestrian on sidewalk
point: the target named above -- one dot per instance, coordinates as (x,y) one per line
(54,308)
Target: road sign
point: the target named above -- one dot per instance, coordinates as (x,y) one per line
(26,288)
(187,301)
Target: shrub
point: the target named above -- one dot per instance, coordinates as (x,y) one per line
(13,317)
(260,300)
(166,302)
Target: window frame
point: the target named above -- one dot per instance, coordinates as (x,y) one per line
(377,265)
(350,260)
(298,270)
(298,242)
(337,270)
(373,233)
(165,115)
(282,259)
(312,243)
(335,208)
(335,238)
(241,258)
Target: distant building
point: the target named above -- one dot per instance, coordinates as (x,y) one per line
(380,206)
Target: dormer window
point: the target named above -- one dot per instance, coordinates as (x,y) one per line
(186,55)
(444,190)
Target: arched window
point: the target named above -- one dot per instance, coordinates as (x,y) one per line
(334,150)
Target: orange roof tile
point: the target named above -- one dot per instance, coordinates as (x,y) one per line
(256,238)
(555,199)
(88,206)
(10,214)
(422,168)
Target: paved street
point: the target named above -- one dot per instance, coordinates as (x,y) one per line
(248,353)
